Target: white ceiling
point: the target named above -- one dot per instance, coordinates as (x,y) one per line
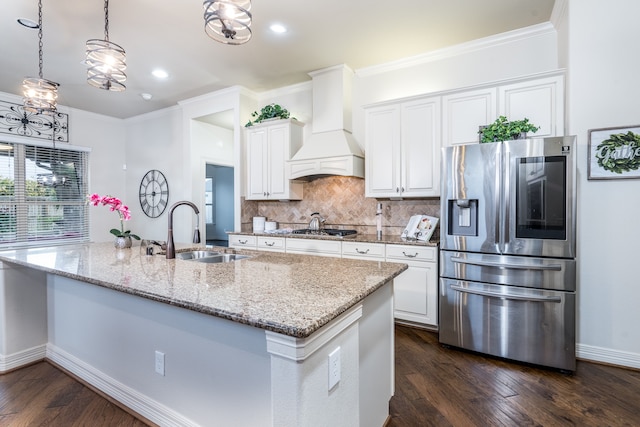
(170,34)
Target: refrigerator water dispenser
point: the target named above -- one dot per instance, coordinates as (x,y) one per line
(463,217)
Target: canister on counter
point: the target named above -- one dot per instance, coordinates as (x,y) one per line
(258,224)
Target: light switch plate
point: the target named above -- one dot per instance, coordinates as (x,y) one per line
(334,368)
(159,363)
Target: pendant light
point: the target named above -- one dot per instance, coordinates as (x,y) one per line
(228,21)
(40,95)
(106,61)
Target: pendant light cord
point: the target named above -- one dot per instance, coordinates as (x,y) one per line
(106,20)
(40,37)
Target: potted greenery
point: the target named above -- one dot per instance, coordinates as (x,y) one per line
(271,111)
(505,130)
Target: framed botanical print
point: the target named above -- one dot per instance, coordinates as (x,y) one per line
(614,153)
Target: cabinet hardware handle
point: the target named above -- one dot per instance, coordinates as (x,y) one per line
(362,252)
(267,243)
(409,256)
(264,194)
(243,242)
(402,189)
(397,190)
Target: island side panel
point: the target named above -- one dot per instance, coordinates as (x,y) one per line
(377,373)
(301,390)
(23,316)
(214,368)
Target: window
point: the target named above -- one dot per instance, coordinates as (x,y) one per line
(42,195)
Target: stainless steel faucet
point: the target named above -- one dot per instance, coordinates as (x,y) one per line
(171,250)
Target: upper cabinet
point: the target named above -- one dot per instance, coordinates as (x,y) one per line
(403,149)
(269,146)
(541,100)
(465,112)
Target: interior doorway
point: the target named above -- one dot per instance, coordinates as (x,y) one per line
(219,206)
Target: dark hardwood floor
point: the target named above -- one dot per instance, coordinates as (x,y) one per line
(435,386)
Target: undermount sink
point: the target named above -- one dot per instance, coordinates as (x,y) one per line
(209,256)
(196,254)
(221,258)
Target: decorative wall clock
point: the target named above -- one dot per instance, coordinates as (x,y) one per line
(154,193)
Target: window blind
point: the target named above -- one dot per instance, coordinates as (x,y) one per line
(42,195)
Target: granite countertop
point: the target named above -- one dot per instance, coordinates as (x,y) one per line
(290,294)
(368,238)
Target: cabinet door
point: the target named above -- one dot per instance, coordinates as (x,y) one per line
(416,295)
(464,113)
(416,289)
(420,148)
(257,164)
(277,155)
(382,172)
(541,101)
(242,241)
(314,247)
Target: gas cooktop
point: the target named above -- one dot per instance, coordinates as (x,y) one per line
(327,232)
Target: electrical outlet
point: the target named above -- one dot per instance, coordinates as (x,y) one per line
(160,363)
(334,368)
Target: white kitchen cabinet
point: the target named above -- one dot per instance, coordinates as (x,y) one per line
(363,250)
(416,289)
(403,149)
(274,244)
(269,146)
(464,113)
(314,247)
(242,241)
(539,100)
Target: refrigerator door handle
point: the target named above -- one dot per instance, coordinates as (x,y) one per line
(506,296)
(552,267)
(505,209)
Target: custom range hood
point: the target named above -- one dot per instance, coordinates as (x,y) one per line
(331,149)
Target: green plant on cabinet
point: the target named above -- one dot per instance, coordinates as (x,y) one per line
(504,130)
(271,111)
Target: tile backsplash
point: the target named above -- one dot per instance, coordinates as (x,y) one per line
(340,200)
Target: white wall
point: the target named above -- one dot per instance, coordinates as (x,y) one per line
(154,141)
(603,91)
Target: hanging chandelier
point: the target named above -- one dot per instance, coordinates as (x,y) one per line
(106,61)
(228,21)
(40,95)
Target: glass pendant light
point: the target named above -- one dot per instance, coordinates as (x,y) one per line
(228,21)
(106,61)
(40,94)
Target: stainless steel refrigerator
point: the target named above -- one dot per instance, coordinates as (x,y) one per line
(508,248)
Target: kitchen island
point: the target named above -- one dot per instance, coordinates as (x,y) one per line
(188,343)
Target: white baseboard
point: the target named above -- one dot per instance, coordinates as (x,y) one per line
(605,355)
(132,399)
(25,357)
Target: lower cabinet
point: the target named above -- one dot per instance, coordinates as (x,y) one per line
(314,247)
(274,244)
(416,289)
(241,241)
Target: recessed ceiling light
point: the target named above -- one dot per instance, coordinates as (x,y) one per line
(28,23)
(161,74)
(146,96)
(278,28)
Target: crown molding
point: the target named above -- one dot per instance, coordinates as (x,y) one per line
(459,49)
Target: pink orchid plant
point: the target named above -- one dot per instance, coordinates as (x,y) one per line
(115,205)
